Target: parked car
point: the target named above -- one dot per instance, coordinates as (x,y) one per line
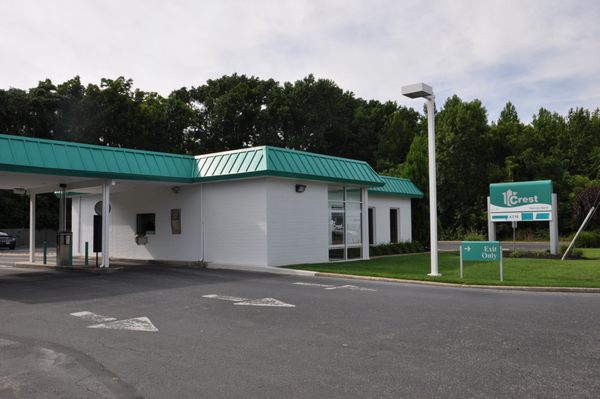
(7,241)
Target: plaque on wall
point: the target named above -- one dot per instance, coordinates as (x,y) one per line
(176,221)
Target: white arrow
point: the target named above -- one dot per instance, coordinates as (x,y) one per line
(225,298)
(350,287)
(468,248)
(266,302)
(313,284)
(90,316)
(135,324)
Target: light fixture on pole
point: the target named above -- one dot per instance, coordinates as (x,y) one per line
(421,90)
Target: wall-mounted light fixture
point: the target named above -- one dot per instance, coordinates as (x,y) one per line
(19,191)
(300,188)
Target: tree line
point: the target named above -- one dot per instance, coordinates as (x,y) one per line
(317,115)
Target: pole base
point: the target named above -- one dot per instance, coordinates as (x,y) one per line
(434,274)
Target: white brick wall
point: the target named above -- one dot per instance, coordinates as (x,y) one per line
(382,205)
(235,222)
(255,222)
(125,205)
(297,222)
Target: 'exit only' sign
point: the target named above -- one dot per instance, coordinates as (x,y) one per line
(481,251)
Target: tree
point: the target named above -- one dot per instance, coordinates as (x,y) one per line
(464,155)
(396,137)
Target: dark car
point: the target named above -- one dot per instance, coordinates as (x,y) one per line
(7,241)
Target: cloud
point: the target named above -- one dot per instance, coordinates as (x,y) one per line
(535,53)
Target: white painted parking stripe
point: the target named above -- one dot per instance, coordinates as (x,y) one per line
(135,324)
(266,302)
(313,284)
(94,317)
(225,298)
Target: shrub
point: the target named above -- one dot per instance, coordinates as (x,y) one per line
(587,239)
(575,253)
(396,248)
(516,254)
(473,235)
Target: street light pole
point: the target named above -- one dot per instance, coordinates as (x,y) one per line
(421,90)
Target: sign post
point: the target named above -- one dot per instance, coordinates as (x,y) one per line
(481,251)
(528,201)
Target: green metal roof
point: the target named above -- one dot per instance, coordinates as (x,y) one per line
(397,186)
(52,157)
(31,155)
(281,162)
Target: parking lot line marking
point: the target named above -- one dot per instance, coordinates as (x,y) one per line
(266,302)
(313,284)
(136,324)
(350,287)
(225,298)
(96,318)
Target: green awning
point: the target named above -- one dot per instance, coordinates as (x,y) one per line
(397,186)
(282,162)
(52,157)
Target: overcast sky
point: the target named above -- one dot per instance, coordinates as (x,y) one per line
(533,53)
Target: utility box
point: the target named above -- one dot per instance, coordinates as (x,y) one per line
(64,246)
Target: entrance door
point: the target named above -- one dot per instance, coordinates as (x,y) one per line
(371,226)
(393,225)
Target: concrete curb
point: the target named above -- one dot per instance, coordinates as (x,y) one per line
(582,290)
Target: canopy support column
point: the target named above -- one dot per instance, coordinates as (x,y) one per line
(105,223)
(31,227)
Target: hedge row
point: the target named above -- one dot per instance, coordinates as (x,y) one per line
(587,239)
(398,248)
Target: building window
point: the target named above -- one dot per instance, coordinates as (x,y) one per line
(345,223)
(393,225)
(371,226)
(146,224)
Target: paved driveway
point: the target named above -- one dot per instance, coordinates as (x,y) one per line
(184,333)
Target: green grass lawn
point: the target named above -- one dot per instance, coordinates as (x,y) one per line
(517,271)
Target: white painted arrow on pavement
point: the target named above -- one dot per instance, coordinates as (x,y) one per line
(91,316)
(225,298)
(251,302)
(350,287)
(135,324)
(313,284)
(266,302)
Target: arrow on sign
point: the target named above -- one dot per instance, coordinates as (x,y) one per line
(468,248)
(135,324)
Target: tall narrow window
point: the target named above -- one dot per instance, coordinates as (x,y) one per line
(371,226)
(393,225)
(345,223)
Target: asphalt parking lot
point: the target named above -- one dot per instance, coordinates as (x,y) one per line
(192,333)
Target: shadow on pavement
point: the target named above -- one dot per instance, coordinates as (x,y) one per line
(32,287)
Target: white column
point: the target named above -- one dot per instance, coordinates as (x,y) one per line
(432,186)
(554,226)
(31,227)
(491,225)
(105,223)
(365,223)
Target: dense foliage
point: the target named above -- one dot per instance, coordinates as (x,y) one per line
(316,115)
